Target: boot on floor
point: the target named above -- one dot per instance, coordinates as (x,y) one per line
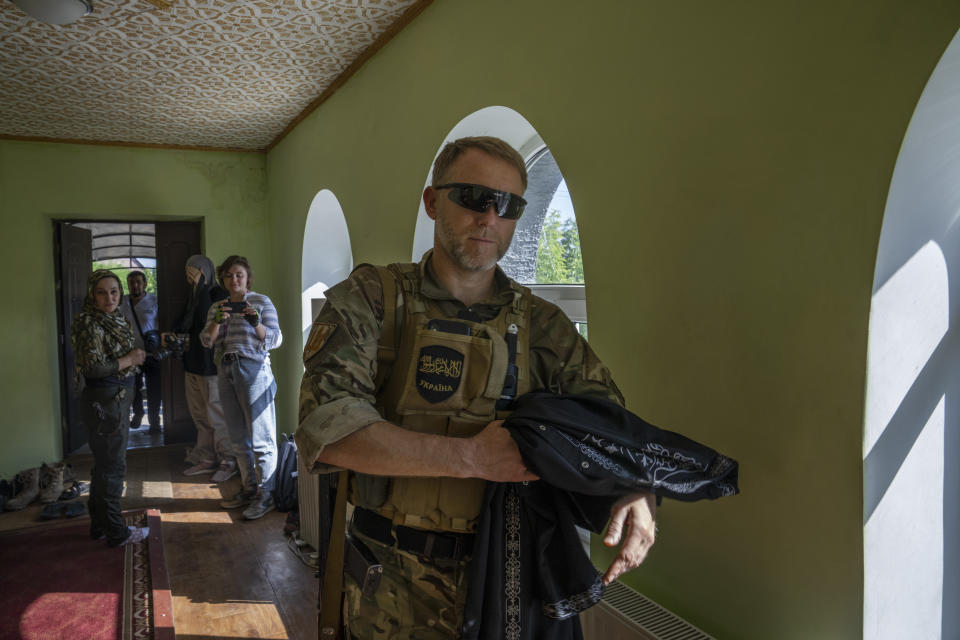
(29,492)
(6,492)
(51,479)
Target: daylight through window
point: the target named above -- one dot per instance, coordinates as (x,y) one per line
(124,247)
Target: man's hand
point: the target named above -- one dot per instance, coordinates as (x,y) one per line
(635,512)
(493,455)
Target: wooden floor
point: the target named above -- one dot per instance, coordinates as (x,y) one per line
(230,578)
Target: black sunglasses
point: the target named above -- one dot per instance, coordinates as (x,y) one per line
(477,197)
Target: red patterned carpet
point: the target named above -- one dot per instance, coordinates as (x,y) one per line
(56,583)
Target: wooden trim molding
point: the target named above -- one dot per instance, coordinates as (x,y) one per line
(118,143)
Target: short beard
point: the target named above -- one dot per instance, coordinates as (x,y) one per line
(458,252)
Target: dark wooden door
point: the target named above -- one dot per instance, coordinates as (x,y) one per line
(176,241)
(73,254)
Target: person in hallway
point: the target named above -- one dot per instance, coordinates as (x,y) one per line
(213,453)
(409,372)
(243,329)
(140,309)
(107,363)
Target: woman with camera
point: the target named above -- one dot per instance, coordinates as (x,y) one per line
(108,362)
(243,329)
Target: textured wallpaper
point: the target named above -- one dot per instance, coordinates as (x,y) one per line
(204,73)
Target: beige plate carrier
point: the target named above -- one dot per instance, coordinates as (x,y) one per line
(446,504)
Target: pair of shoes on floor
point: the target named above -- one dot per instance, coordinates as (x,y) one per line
(29,481)
(259,507)
(76,490)
(137,535)
(56,510)
(228,469)
(51,481)
(201,468)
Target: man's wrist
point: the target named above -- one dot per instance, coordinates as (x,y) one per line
(462,457)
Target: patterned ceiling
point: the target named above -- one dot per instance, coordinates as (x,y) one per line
(229,74)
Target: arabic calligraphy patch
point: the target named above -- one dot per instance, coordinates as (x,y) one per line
(439,370)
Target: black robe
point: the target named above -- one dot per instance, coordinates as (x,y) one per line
(529,576)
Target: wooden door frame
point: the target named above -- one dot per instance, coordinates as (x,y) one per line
(169,368)
(71,430)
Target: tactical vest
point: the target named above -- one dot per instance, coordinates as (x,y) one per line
(443,376)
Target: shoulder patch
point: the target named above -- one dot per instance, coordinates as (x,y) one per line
(319,335)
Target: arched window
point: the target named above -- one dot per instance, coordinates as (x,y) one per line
(911,435)
(545,252)
(327,256)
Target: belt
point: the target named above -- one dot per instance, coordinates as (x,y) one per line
(109,381)
(231,357)
(430,545)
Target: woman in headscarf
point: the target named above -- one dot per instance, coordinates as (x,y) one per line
(108,362)
(243,329)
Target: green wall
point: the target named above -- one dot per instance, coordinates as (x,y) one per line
(729,164)
(40,182)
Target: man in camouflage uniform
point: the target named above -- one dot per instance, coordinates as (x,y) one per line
(417,420)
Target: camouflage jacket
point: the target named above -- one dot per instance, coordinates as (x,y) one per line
(98,340)
(337,394)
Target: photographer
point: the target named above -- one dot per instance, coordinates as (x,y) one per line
(244,328)
(214,451)
(140,310)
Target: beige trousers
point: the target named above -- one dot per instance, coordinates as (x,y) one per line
(203,402)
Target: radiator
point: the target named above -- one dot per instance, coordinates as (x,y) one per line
(626,614)
(308,488)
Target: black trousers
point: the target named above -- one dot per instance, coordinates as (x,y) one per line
(150,371)
(106,415)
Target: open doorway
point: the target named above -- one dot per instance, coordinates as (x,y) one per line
(157,249)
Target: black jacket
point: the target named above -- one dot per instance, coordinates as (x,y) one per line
(529,575)
(198,359)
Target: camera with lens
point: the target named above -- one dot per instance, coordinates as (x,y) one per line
(151,341)
(174,344)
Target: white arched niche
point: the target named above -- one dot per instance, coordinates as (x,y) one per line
(327,256)
(547,189)
(911,482)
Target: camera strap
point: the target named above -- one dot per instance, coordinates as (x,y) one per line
(136,319)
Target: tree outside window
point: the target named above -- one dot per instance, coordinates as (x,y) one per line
(559,260)
(123,271)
